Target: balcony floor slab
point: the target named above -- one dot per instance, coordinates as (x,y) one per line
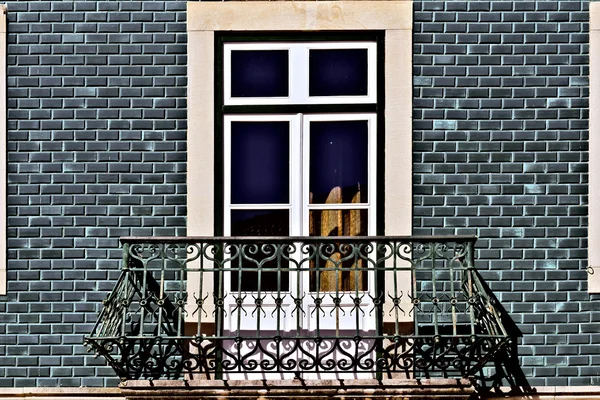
(299,389)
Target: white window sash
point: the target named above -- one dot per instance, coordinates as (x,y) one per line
(299,75)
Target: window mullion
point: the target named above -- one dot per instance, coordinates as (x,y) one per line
(299,74)
(305,172)
(296,180)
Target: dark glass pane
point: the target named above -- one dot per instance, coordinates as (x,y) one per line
(338,162)
(260,162)
(259,73)
(333,275)
(260,223)
(339,72)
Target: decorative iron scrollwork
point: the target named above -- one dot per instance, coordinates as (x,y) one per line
(458,325)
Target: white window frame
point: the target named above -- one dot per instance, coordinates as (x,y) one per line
(299,206)
(294,172)
(298,74)
(231,319)
(370,206)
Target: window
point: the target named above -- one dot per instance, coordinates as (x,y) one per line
(319,72)
(206,20)
(298,166)
(298,162)
(297,159)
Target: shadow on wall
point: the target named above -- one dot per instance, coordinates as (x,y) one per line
(506,370)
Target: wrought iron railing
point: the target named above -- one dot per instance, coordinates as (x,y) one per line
(266,308)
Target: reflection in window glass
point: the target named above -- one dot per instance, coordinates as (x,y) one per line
(338,162)
(259,73)
(338,72)
(259,223)
(336,272)
(260,162)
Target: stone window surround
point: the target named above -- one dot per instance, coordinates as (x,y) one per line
(206,18)
(594,153)
(3,171)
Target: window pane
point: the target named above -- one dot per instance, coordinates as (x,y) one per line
(338,162)
(338,222)
(338,72)
(259,73)
(259,223)
(336,274)
(260,162)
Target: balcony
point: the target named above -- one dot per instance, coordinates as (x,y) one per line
(224,308)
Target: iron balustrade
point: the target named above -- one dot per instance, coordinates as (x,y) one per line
(301,307)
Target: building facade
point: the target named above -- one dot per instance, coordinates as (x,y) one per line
(98,148)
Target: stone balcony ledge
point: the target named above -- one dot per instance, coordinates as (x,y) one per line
(299,389)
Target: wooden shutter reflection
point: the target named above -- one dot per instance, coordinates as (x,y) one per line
(349,276)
